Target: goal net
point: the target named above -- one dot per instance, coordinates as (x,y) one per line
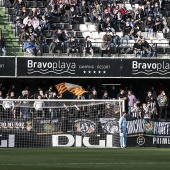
(60,123)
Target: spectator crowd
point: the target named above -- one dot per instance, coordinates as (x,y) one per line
(154,105)
(131,18)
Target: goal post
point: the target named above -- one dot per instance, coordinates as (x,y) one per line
(60,123)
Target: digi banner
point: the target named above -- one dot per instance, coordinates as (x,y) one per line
(68,67)
(84,132)
(7,67)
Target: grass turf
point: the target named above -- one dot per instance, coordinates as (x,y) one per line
(85,158)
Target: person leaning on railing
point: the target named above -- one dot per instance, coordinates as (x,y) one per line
(138,48)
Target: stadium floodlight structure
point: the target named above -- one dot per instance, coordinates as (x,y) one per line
(60,123)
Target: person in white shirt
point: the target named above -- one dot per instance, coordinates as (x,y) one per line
(8,107)
(39,108)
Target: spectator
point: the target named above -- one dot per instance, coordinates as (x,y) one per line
(49,93)
(93,15)
(65,37)
(123,11)
(72,47)
(165,25)
(72,16)
(162,103)
(8,107)
(29,47)
(105,95)
(138,48)
(122,95)
(107,38)
(99,24)
(55,46)
(117,40)
(88,48)
(18,6)
(44,24)
(146,48)
(149,26)
(25,111)
(36,24)
(147,111)
(158,25)
(131,100)
(29,28)
(93,95)
(128,32)
(135,111)
(2,46)
(107,26)
(39,108)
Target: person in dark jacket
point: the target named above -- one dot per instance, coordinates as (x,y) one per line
(146,48)
(149,26)
(55,46)
(138,48)
(128,32)
(87,47)
(72,47)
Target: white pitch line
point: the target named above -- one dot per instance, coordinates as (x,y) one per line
(114,163)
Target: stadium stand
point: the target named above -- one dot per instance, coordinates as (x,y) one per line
(148,19)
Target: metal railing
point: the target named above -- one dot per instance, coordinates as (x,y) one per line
(100,49)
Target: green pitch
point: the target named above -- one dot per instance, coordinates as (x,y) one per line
(85,158)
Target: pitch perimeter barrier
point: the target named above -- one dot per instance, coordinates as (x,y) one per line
(75,123)
(59,123)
